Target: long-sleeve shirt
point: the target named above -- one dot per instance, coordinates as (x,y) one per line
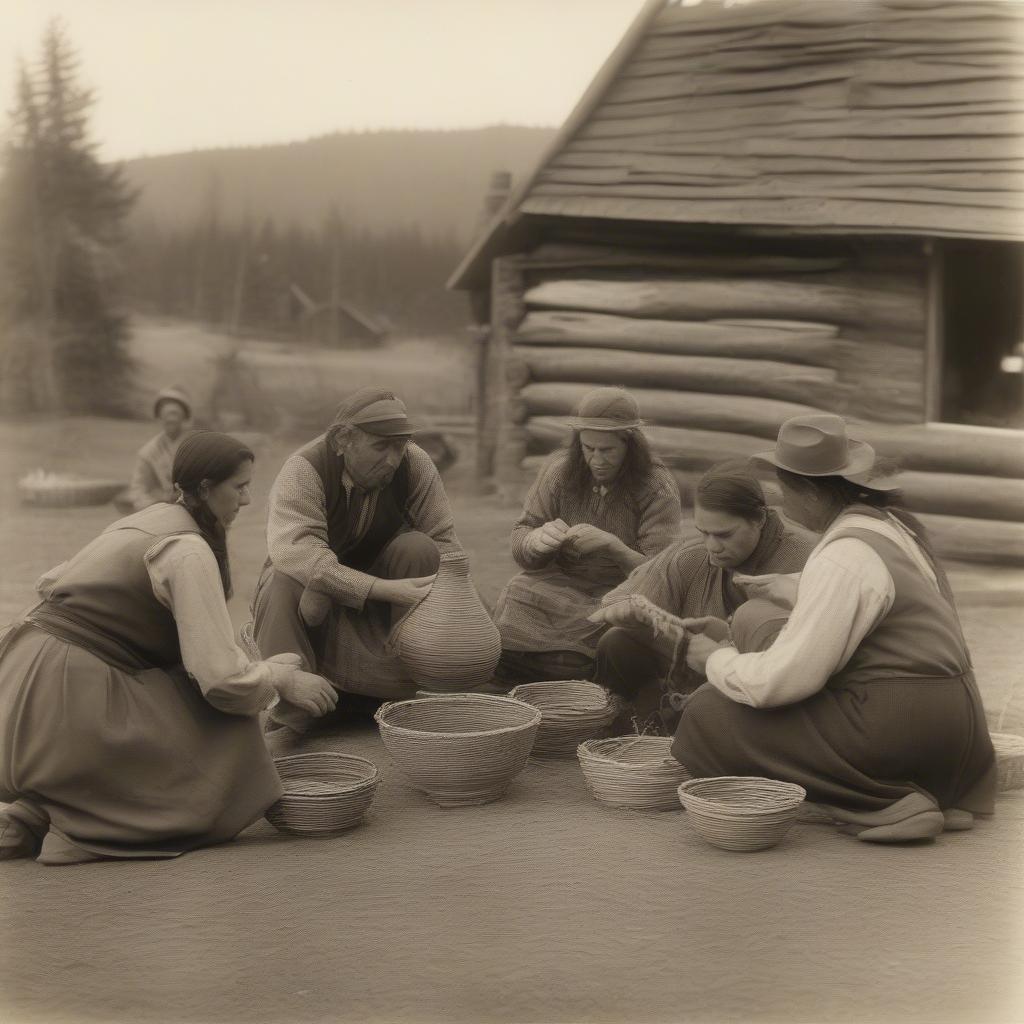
(297,539)
(845,591)
(151,478)
(186,581)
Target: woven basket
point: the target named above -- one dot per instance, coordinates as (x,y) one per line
(69,492)
(459,749)
(741,812)
(632,771)
(571,711)
(1009,760)
(324,793)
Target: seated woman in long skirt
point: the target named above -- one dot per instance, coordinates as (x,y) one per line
(598,508)
(866,698)
(738,534)
(129,718)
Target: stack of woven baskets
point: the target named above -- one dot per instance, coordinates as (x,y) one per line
(571,711)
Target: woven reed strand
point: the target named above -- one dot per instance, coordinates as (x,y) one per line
(572,710)
(741,812)
(459,748)
(632,771)
(1009,760)
(324,792)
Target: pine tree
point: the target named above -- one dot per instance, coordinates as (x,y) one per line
(61,214)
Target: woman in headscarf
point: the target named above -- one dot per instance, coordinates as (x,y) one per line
(866,698)
(151,479)
(598,508)
(129,717)
(738,534)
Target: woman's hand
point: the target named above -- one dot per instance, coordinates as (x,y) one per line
(402,593)
(311,693)
(709,626)
(547,539)
(588,539)
(698,650)
(779,588)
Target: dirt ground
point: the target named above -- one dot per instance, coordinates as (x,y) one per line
(544,906)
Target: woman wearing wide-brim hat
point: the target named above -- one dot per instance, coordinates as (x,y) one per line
(599,507)
(867,698)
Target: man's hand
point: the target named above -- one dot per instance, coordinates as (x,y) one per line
(708,625)
(402,593)
(621,613)
(547,539)
(698,650)
(779,588)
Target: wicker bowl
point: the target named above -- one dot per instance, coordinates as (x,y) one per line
(571,711)
(57,490)
(324,793)
(459,749)
(632,771)
(741,812)
(1009,760)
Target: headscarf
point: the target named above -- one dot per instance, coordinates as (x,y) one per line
(212,456)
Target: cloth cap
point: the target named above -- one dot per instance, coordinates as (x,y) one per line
(817,445)
(607,409)
(376,411)
(175,393)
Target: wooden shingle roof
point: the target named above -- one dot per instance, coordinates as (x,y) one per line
(885,116)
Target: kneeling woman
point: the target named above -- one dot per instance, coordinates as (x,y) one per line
(866,698)
(129,718)
(596,511)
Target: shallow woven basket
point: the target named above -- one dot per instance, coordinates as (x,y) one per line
(324,793)
(1009,760)
(741,812)
(571,711)
(459,749)
(70,493)
(633,771)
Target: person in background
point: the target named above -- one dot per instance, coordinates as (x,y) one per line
(129,717)
(737,534)
(151,479)
(598,508)
(867,697)
(358,520)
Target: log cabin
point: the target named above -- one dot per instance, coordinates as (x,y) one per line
(766,208)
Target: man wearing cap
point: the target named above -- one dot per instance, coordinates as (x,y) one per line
(358,518)
(598,508)
(151,480)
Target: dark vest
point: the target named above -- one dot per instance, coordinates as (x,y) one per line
(389,517)
(104,599)
(919,638)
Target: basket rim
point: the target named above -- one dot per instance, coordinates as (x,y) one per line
(782,788)
(380,715)
(586,749)
(369,780)
(523,691)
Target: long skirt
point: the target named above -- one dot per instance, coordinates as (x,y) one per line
(124,764)
(860,746)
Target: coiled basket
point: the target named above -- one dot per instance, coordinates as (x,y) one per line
(1009,761)
(741,812)
(459,749)
(324,793)
(632,771)
(572,711)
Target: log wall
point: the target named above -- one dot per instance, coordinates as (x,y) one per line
(719,358)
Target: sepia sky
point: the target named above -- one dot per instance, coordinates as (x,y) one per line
(174,75)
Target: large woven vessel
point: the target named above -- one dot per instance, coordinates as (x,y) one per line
(741,812)
(633,771)
(448,641)
(324,793)
(459,749)
(572,711)
(59,490)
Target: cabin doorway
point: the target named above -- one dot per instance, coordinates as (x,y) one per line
(981,382)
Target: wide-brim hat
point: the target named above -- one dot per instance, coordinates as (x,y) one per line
(818,445)
(607,409)
(173,394)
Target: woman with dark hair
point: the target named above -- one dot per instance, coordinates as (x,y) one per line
(129,717)
(695,578)
(866,698)
(598,508)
